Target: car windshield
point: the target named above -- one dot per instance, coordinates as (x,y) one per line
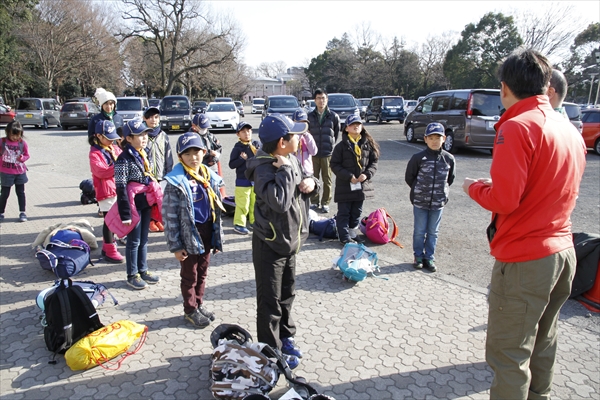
(74,107)
(573,111)
(258,101)
(221,108)
(393,102)
(365,102)
(486,104)
(174,104)
(341,101)
(129,105)
(153,102)
(283,103)
(199,104)
(411,103)
(29,104)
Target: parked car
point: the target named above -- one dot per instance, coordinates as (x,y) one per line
(175,114)
(310,105)
(385,109)
(468,115)
(77,114)
(409,105)
(258,105)
(343,104)
(223,116)
(240,108)
(153,102)
(282,104)
(199,106)
(591,128)
(364,103)
(80,99)
(574,113)
(38,112)
(223,100)
(6,115)
(131,107)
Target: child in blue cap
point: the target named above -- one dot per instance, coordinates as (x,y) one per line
(200,125)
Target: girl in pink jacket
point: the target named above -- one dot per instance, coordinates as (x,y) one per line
(306,147)
(103,154)
(14,153)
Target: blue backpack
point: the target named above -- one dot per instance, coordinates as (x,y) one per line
(65,259)
(357,261)
(325,228)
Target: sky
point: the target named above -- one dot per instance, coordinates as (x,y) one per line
(297,31)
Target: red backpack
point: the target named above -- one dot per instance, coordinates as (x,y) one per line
(377,228)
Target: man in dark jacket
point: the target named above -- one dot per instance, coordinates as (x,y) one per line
(324,126)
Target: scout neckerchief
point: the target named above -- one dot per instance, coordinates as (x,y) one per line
(108,152)
(142,161)
(249,144)
(356,148)
(212,196)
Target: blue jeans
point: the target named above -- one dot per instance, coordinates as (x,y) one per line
(425,233)
(137,245)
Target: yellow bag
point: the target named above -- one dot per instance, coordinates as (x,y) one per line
(104,344)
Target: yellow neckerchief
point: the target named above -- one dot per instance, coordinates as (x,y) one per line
(146,164)
(110,149)
(356,148)
(212,196)
(249,143)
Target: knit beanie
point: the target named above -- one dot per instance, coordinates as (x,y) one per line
(103,96)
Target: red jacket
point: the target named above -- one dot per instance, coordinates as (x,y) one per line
(538,163)
(103,173)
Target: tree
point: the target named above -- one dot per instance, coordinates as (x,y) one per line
(582,63)
(431,62)
(473,61)
(181,35)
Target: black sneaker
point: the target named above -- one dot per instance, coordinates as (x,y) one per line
(346,241)
(418,263)
(206,313)
(197,319)
(150,278)
(430,265)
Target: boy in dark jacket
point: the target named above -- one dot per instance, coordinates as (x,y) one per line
(280,227)
(243,150)
(429,174)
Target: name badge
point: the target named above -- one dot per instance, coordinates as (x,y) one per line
(355,186)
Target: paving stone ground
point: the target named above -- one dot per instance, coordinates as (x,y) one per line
(407,334)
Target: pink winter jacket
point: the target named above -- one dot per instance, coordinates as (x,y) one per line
(103,174)
(154,198)
(306,149)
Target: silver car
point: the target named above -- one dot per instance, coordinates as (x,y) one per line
(131,107)
(38,112)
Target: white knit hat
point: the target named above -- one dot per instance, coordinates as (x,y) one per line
(103,96)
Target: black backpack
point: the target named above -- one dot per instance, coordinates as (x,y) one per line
(88,193)
(69,316)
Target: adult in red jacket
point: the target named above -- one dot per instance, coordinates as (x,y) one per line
(538,163)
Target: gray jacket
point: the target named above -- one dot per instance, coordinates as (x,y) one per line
(178,214)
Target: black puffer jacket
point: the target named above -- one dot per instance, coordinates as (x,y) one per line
(429,174)
(326,133)
(344,165)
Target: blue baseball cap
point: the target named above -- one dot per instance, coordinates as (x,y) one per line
(435,128)
(135,127)
(353,119)
(276,126)
(201,120)
(189,140)
(242,125)
(107,129)
(300,116)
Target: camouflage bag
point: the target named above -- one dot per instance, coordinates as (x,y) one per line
(239,367)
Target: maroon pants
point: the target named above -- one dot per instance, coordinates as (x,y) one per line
(194,270)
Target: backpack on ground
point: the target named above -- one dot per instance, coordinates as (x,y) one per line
(96,292)
(324,228)
(241,367)
(229,204)
(357,261)
(65,259)
(377,228)
(69,316)
(66,235)
(88,193)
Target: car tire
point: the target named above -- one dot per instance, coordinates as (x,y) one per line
(65,127)
(379,121)
(410,134)
(597,146)
(45,124)
(449,145)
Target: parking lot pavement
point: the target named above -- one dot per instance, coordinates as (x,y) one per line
(406,334)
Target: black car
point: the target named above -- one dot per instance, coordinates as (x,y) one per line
(175,114)
(286,105)
(199,106)
(77,114)
(343,104)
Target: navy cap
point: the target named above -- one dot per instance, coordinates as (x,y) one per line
(201,120)
(300,116)
(242,125)
(107,129)
(189,140)
(276,126)
(135,127)
(435,128)
(150,111)
(352,119)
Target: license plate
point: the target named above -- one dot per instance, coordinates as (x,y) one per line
(490,124)
(174,126)
(28,115)
(220,125)
(73,115)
